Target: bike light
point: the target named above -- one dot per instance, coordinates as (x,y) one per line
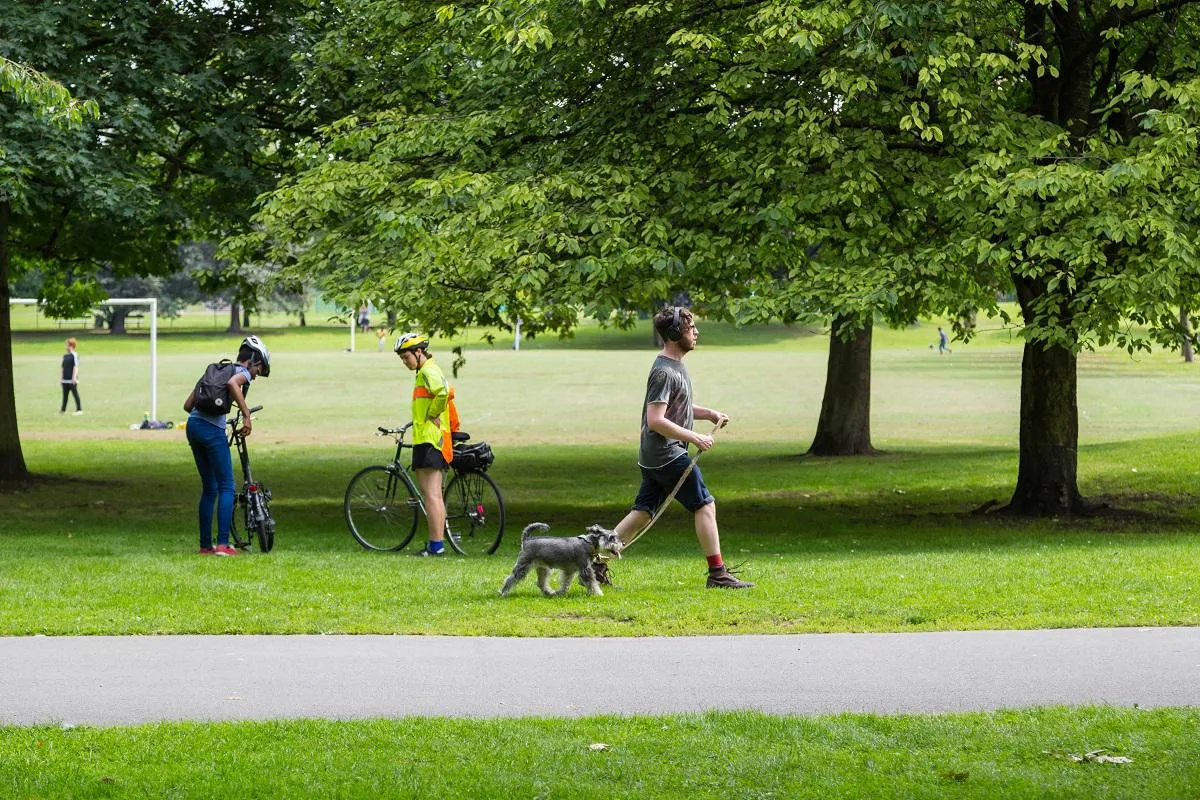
(479,509)
(252,487)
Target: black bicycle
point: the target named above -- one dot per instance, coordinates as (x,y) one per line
(384,505)
(254,500)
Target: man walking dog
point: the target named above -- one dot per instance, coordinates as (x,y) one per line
(667,416)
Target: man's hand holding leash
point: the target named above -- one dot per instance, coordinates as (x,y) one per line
(703,443)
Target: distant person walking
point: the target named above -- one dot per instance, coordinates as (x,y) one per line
(667,416)
(943,343)
(364,318)
(70,378)
(210,448)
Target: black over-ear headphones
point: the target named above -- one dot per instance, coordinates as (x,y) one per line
(675,333)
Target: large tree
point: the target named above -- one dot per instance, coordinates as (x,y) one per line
(770,158)
(548,158)
(1079,193)
(194,100)
(51,101)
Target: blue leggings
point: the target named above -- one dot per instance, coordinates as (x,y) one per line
(210,448)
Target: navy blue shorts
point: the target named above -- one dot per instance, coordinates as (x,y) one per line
(658,483)
(426,456)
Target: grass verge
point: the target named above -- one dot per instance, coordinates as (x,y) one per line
(1011,754)
(881,544)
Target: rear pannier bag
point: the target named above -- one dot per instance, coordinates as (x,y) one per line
(473,457)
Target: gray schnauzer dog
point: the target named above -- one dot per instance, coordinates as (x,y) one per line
(571,555)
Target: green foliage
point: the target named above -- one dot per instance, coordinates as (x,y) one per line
(47,97)
(190,109)
(775,160)
(607,157)
(1079,180)
(192,124)
(64,301)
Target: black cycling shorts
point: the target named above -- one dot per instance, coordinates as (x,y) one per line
(426,456)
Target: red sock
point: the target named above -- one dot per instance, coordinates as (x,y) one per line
(716,562)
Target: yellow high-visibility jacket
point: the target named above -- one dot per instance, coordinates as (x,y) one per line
(433,397)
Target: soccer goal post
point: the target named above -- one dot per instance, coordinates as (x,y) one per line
(152,302)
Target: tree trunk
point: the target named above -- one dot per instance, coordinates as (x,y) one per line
(303,321)
(1185,331)
(235,317)
(1047,483)
(116,323)
(246,318)
(12,461)
(844,428)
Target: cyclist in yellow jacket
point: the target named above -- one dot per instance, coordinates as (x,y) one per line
(432,447)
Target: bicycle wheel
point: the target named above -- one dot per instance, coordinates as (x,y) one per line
(235,538)
(382,508)
(264,526)
(474,513)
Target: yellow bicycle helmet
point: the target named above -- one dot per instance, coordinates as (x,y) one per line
(411,341)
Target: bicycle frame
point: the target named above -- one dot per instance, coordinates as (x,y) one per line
(396,465)
(373,502)
(254,496)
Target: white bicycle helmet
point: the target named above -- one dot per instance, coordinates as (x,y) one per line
(411,341)
(262,354)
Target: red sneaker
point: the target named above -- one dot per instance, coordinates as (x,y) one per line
(206,551)
(224,550)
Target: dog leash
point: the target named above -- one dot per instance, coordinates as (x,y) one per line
(678,485)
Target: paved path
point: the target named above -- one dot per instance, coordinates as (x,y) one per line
(121,680)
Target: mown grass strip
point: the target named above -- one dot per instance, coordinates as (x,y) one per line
(1011,754)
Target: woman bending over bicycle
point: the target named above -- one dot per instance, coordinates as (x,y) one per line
(432,448)
(206,435)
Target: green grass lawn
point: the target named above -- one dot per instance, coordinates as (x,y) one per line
(1013,754)
(876,544)
(104,543)
(881,544)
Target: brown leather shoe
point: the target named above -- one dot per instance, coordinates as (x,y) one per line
(725,580)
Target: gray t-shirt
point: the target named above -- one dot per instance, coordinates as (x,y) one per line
(668,383)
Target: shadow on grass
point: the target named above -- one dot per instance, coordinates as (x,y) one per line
(769,497)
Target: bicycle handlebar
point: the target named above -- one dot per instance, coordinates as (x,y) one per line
(393,431)
(239,415)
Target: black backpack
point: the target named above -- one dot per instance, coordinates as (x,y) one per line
(211,395)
